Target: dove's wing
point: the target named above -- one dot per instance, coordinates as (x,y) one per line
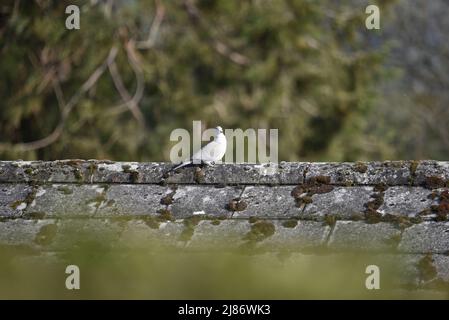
(213,151)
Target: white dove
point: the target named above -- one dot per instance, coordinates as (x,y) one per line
(210,153)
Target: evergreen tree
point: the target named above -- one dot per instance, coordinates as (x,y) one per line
(136,70)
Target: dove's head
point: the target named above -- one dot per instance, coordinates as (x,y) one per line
(219,130)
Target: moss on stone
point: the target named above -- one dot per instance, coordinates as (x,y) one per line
(167,200)
(361,167)
(110,202)
(316,185)
(292,223)
(378,200)
(46,234)
(380,187)
(192,221)
(307,199)
(92,168)
(330,220)
(165,215)
(426,268)
(133,174)
(35,215)
(434,182)
(403,222)
(348,183)
(236,204)
(413,167)
(416,220)
(356,217)
(297,191)
(98,200)
(371,213)
(260,231)
(394,240)
(186,234)
(198,175)
(152,222)
(78,175)
(189,227)
(30,197)
(14,205)
(74,162)
(442,208)
(253,219)
(321,179)
(65,190)
(372,216)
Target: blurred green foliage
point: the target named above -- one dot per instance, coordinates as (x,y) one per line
(302,66)
(152,273)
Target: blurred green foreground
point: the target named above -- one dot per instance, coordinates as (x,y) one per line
(107,273)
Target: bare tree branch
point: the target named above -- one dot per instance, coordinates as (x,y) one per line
(219,46)
(59,94)
(65,109)
(430,117)
(136,65)
(130,102)
(154,29)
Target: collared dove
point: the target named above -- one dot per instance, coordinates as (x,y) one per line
(210,153)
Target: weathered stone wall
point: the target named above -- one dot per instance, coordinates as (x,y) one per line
(391,208)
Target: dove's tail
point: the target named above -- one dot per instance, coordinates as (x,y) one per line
(179,166)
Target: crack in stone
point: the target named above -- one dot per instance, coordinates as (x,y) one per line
(240,197)
(328,237)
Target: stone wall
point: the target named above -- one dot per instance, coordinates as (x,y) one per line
(397,209)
